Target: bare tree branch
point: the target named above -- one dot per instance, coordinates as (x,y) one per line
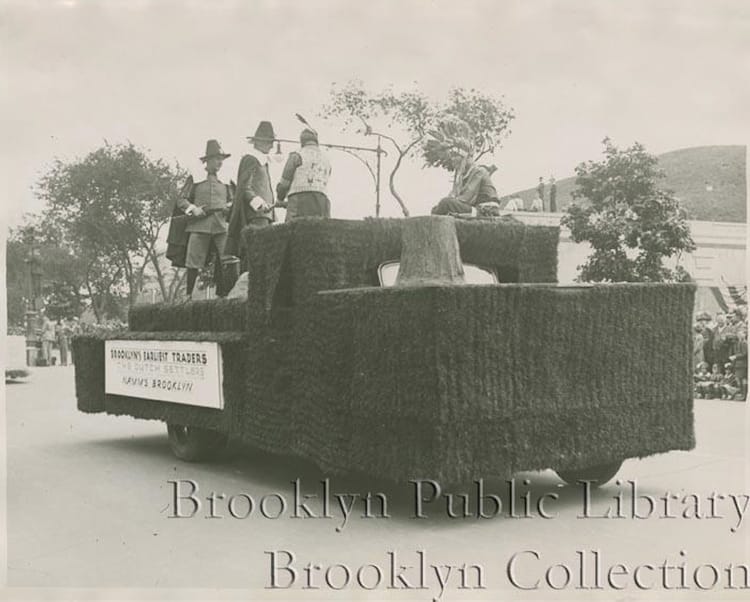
(364,161)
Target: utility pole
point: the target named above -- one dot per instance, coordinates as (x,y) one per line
(377,182)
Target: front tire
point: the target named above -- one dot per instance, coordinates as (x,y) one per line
(194,444)
(598,474)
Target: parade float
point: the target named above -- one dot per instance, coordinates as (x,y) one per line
(430,378)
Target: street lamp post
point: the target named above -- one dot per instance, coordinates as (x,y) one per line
(379,150)
(33,301)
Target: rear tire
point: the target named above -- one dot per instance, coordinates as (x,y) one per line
(194,444)
(599,474)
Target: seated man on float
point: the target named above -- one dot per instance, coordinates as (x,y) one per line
(474,188)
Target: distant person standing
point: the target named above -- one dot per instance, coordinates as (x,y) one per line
(540,192)
(63,341)
(722,340)
(74,329)
(740,360)
(538,203)
(698,341)
(48,340)
(552,195)
(707,331)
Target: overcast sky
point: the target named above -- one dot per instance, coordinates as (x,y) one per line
(170,75)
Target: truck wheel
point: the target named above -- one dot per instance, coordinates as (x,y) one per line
(194,444)
(600,474)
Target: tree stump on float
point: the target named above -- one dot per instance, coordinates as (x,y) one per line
(429,252)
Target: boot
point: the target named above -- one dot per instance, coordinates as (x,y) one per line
(192,276)
(230,273)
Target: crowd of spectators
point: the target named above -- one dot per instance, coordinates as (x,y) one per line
(105,327)
(720,355)
(538,203)
(57,335)
(53,337)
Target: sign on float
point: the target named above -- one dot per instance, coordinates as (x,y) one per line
(186,372)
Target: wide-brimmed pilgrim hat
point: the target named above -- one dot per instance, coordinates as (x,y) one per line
(264,135)
(213,149)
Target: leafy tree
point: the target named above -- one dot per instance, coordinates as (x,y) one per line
(62,278)
(409,120)
(400,118)
(55,270)
(630,223)
(108,210)
(69,284)
(171,277)
(16,280)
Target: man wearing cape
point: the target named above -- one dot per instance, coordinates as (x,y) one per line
(254,201)
(198,224)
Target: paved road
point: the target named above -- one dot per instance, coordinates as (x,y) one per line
(89,504)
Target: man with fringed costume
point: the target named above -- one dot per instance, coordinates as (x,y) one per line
(254,203)
(304,180)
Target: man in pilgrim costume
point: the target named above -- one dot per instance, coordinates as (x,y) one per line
(254,203)
(305,179)
(205,204)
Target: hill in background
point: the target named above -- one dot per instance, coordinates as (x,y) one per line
(710,182)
